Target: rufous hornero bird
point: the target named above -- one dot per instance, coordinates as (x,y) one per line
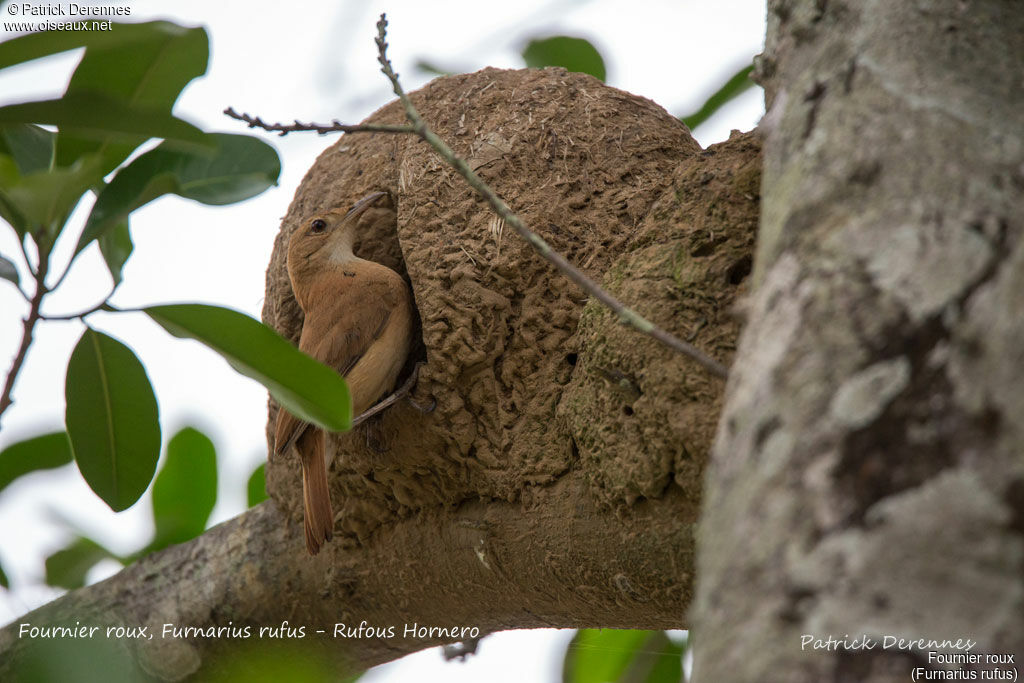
(358,320)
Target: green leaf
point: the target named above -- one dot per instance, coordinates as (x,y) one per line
(47,198)
(737,84)
(257,486)
(9,177)
(77,660)
(116,246)
(30,146)
(600,655)
(146,74)
(270,660)
(185,490)
(574,54)
(103,117)
(10,174)
(4,581)
(661,659)
(31,46)
(305,387)
(9,271)
(43,452)
(611,655)
(238,168)
(111,418)
(67,567)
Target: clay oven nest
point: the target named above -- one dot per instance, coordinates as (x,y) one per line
(531,381)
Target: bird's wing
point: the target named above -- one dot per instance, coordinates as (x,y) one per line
(289,429)
(339,339)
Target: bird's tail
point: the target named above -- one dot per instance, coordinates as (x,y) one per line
(316,495)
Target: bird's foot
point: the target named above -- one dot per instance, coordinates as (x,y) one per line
(400,392)
(420,407)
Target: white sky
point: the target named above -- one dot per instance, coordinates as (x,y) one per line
(303,59)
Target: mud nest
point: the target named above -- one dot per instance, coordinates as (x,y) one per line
(530,380)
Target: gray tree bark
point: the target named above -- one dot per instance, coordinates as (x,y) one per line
(868,473)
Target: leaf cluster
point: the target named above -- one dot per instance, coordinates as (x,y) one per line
(113,136)
(626,656)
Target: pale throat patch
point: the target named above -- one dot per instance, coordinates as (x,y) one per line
(340,249)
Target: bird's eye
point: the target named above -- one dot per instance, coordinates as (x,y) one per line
(318,225)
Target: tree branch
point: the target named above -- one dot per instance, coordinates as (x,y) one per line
(101,306)
(321,128)
(26,336)
(516,570)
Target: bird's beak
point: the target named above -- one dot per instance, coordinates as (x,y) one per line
(363,204)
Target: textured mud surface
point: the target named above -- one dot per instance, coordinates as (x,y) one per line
(530,380)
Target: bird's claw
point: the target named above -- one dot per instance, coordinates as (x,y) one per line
(400,392)
(422,408)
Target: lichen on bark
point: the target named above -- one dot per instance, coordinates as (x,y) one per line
(868,465)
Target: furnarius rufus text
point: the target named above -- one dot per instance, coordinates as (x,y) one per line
(358,320)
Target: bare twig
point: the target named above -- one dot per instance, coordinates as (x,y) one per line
(101,306)
(418,127)
(460,650)
(26,336)
(321,128)
(626,315)
(28,263)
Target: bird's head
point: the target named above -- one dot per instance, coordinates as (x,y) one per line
(327,236)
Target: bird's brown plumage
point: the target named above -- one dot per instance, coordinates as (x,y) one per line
(358,320)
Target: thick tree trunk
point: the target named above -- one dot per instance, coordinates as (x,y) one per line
(868,473)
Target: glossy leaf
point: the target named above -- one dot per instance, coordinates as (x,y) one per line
(737,84)
(77,660)
(44,452)
(662,658)
(10,174)
(47,198)
(31,46)
(257,486)
(8,271)
(273,660)
(305,387)
(67,567)
(103,117)
(30,146)
(238,167)
(573,54)
(610,655)
(116,246)
(185,489)
(146,74)
(111,418)
(9,177)
(602,655)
